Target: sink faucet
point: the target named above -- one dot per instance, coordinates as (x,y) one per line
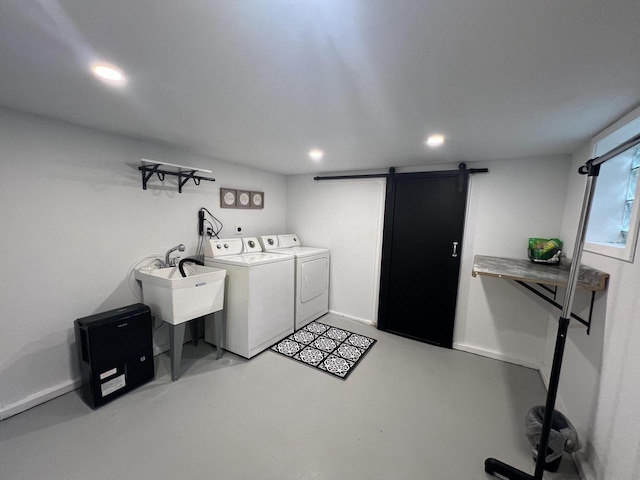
(171,262)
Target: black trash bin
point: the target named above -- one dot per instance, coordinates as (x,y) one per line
(562,438)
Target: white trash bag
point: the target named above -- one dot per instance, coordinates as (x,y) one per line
(562,438)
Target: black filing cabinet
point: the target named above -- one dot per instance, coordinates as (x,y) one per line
(116,352)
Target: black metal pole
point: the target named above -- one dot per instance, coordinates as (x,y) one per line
(348,177)
(461,167)
(543,444)
(563,324)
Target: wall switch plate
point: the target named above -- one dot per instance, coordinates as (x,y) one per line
(238,230)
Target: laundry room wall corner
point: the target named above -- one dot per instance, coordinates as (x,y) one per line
(517,199)
(74,212)
(347,217)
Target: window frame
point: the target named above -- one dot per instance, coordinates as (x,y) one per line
(606,140)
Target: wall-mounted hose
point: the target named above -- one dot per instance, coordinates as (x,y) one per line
(188,260)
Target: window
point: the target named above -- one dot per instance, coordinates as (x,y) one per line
(613,223)
(631,194)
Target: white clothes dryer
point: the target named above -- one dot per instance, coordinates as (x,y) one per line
(259,295)
(312,275)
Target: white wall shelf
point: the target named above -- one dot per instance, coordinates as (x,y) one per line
(149,168)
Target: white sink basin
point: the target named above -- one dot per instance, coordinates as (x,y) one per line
(177,299)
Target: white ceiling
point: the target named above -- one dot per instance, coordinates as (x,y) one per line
(260,82)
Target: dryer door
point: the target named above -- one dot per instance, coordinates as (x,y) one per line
(314,276)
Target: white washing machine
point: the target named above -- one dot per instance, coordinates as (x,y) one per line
(312,275)
(259,306)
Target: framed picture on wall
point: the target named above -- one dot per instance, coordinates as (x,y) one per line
(257,199)
(228,198)
(237,198)
(244,199)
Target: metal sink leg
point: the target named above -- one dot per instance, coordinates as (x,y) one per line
(176,338)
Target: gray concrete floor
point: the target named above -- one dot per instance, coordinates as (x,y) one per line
(408,411)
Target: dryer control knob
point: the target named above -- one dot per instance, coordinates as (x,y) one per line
(226,245)
(270,241)
(218,246)
(251,243)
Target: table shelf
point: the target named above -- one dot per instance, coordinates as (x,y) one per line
(524,272)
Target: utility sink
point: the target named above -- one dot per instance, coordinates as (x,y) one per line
(177,299)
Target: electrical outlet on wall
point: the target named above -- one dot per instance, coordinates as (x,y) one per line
(238,230)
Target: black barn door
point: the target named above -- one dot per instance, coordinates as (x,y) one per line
(424,223)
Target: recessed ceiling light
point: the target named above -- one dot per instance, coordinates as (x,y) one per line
(316,154)
(435,140)
(109,74)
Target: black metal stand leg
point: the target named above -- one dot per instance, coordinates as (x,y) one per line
(496,467)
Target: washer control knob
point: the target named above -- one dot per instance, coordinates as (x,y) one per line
(226,245)
(218,246)
(251,243)
(270,241)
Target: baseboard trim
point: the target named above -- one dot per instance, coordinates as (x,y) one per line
(585,472)
(37,398)
(524,362)
(50,393)
(351,317)
(544,376)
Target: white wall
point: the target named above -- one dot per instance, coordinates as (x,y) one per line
(600,380)
(516,200)
(74,220)
(345,216)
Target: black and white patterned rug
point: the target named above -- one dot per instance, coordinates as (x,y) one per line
(330,349)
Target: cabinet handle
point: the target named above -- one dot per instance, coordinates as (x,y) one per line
(454,253)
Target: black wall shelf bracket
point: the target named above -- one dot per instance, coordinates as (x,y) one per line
(148,172)
(586,323)
(149,168)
